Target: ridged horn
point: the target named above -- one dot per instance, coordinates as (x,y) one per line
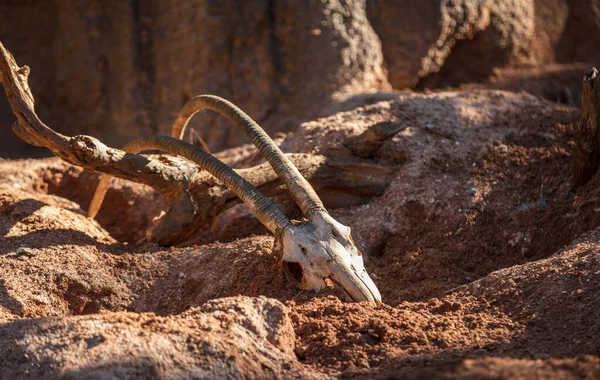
(298,186)
(267,212)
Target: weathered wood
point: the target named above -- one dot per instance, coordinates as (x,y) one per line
(587,138)
(168,178)
(194,196)
(339,181)
(368,143)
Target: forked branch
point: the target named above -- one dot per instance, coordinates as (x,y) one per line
(194,196)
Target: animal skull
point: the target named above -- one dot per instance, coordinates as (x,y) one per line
(314,251)
(323,248)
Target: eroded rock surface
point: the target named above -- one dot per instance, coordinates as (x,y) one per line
(448,43)
(231,337)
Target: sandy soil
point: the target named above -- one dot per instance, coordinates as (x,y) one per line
(487,260)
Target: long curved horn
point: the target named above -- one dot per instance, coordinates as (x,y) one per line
(299,188)
(269,214)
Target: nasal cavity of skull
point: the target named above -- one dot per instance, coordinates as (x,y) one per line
(293,272)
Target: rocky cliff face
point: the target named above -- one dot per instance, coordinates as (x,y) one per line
(120,70)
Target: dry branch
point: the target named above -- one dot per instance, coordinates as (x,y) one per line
(587,138)
(368,143)
(338,181)
(195,196)
(84,151)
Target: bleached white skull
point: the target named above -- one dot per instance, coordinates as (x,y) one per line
(323,249)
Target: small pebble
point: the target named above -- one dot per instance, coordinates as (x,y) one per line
(24,251)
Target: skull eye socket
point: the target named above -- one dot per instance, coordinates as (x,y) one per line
(293,272)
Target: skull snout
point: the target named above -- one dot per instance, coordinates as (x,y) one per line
(357,284)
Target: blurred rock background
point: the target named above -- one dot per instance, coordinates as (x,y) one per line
(118,70)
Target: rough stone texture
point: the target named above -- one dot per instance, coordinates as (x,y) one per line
(407,29)
(449,42)
(578,40)
(465,39)
(551,26)
(120,70)
(501,36)
(83,56)
(228,338)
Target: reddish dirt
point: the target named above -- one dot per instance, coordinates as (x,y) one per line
(487,260)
